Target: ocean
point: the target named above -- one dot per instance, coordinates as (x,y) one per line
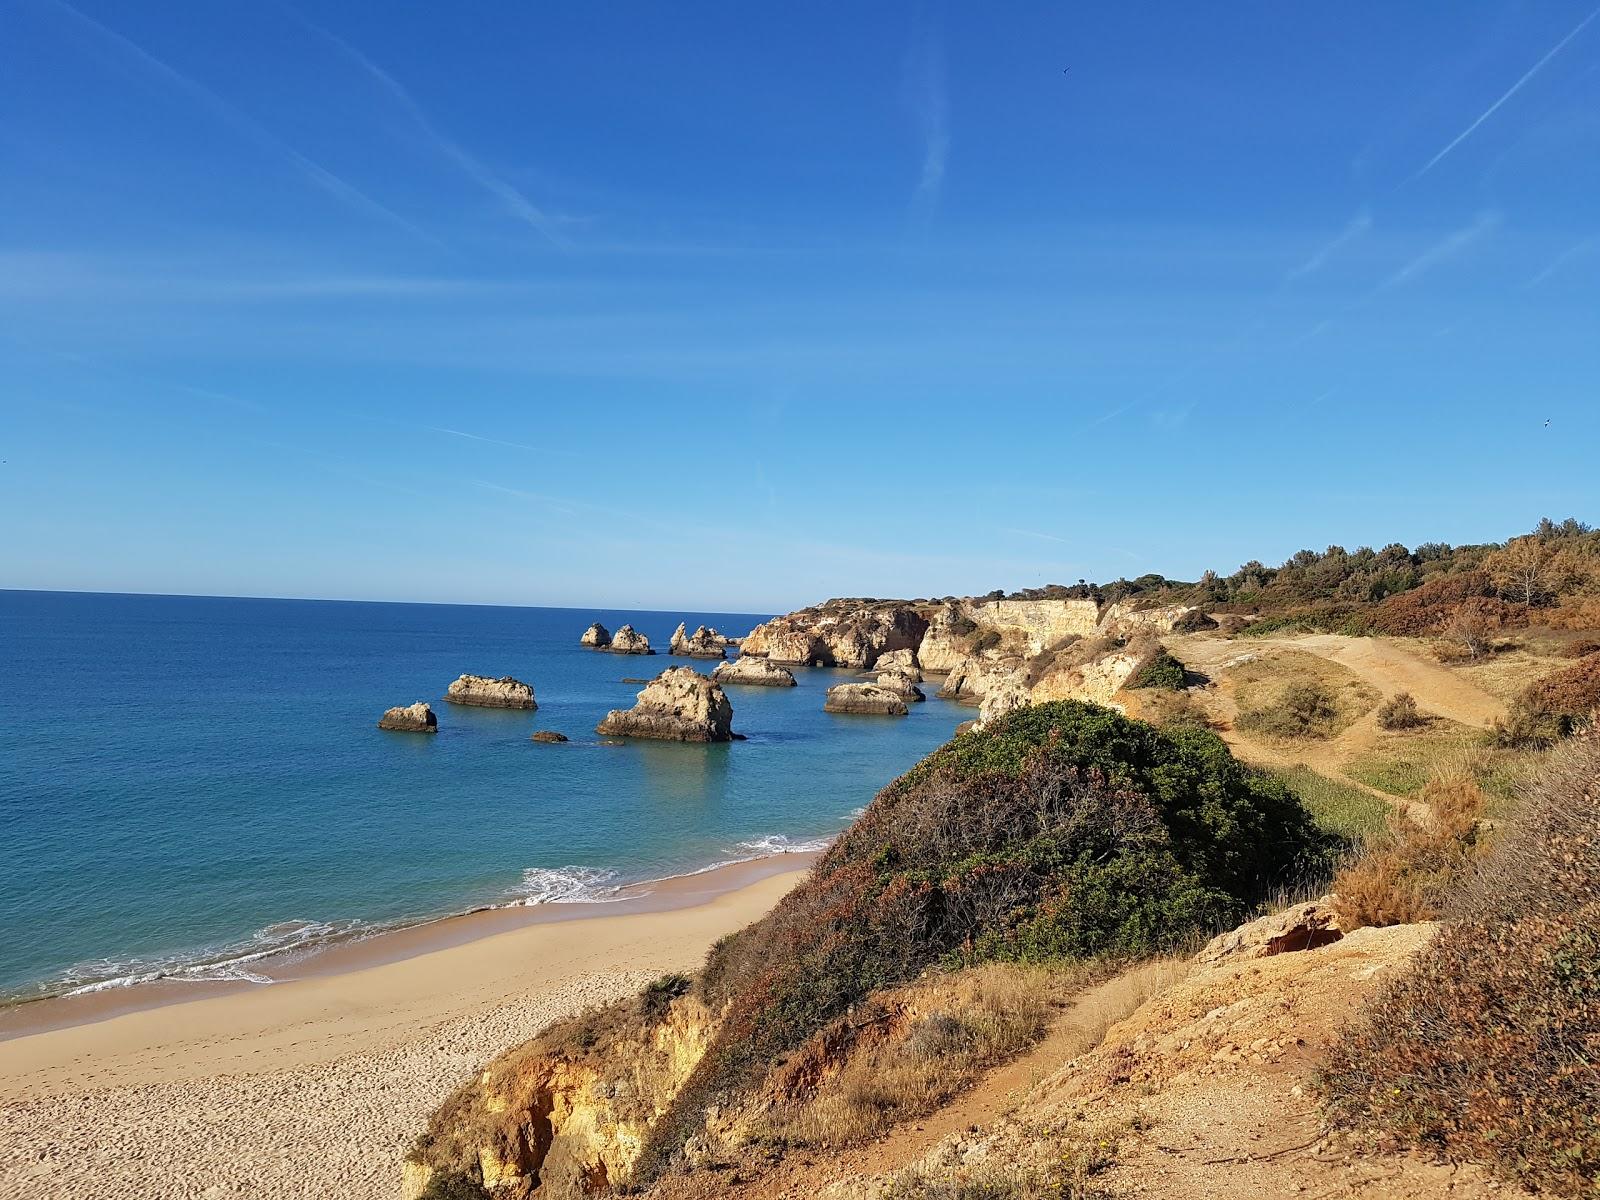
(194,785)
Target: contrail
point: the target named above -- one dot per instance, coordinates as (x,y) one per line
(249,126)
(1440,251)
(1510,92)
(515,202)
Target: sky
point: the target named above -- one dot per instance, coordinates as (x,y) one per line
(734,307)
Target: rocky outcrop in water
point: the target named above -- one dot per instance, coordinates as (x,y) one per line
(866,699)
(753,672)
(840,633)
(412,718)
(903,662)
(483,692)
(629,640)
(547,735)
(702,643)
(679,705)
(902,685)
(596,637)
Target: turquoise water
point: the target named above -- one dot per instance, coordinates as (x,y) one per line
(188,782)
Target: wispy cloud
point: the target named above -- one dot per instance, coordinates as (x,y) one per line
(313,172)
(1442,251)
(477,437)
(1034,533)
(514,202)
(926,98)
(1576,250)
(1356,228)
(1509,92)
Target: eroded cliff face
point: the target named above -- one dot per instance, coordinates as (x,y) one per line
(566,1118)
(838,634)
(1042,623)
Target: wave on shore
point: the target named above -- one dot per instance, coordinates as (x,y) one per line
(233,962)
(226,964)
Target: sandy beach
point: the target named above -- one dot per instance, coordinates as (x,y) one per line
(314,1086)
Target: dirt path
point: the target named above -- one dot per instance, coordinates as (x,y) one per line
(1390,666)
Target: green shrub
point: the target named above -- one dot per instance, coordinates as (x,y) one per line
(1160,670)
(1303,710)
(1485,1050)
(1061,831)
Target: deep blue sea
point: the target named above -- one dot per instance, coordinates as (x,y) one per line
(189,781)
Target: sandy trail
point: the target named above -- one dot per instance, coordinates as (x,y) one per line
(1387,665)
(314,1087)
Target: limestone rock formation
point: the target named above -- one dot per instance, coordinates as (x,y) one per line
(702,643)
(547,735)
(629,640)
(1041,622)
(413,718)
(1299,927)
(679,705)
(903,662)
(1006,695)
(483,692)
(1124,621)
(840,633)
(974,676)
(597,636)
(902,685)
(944,643)
(756,672)
(865,698)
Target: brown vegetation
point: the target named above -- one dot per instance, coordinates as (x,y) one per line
(1486,1050)
(1400,711)
(1405,876)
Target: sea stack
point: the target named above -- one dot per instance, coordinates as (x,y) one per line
(413,718)
(865,698)
(702,643)
(679,705)
(596,637)
(483,692)
(629,640)
(902,685)
(753,672)
(547,735)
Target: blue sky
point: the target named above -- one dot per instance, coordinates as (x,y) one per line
(734,307)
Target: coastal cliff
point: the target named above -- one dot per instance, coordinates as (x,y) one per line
(702,1079)
(839,633)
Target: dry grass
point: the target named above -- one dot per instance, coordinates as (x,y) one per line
(1405,876)
(1272,681)
(920,1046)
(1484,1051)
(1506,676)
(1401,763)
(914,1049)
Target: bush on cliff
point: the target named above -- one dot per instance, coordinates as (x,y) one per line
(1160,670)
(1485,1050)
(1062,831)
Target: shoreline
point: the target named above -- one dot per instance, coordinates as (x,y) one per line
(45,1014)
(318,1085)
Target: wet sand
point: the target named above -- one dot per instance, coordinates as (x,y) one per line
(314,1086)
